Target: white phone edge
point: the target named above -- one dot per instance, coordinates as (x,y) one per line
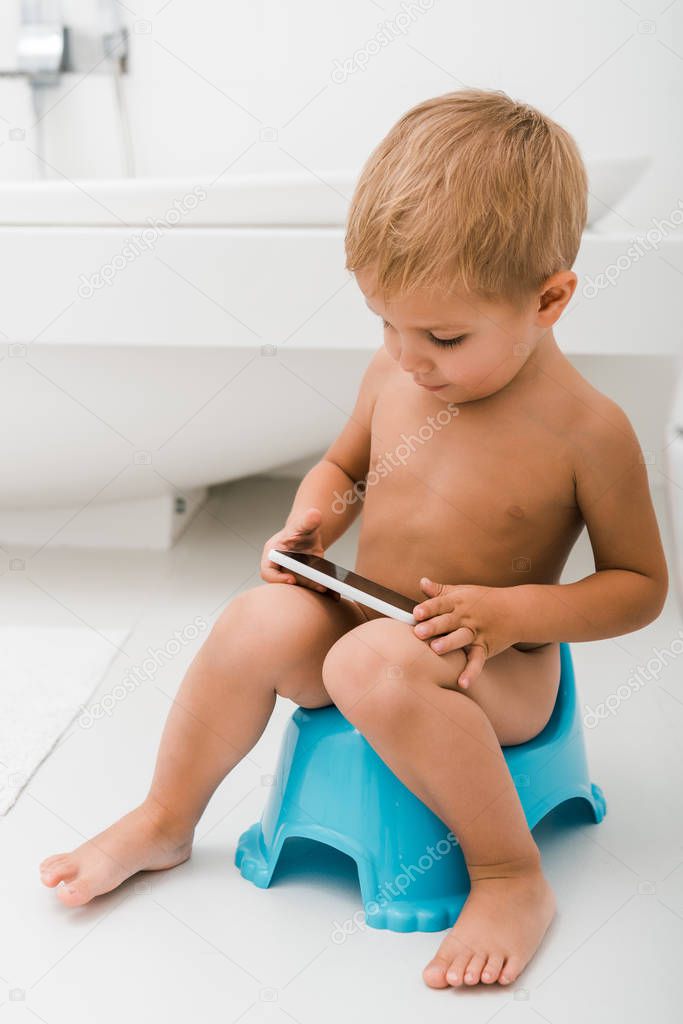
(345,589)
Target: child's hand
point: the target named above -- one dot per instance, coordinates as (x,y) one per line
(477,619)
(302,534)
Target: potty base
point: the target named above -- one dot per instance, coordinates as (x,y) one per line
(332,787)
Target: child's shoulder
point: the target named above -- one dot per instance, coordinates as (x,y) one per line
(599,432)
(378,371)
(379,366)
(597,418)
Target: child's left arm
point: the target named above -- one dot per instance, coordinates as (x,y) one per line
(630,583)
(626,591)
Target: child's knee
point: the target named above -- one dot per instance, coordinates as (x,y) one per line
(260,612)
(256,622)
(392,647)
(355,665)
(377,660)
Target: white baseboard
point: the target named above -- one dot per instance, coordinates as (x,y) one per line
(145,523)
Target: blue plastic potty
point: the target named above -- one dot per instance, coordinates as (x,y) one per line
(331,786)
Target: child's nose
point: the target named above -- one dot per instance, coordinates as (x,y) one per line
(411,361)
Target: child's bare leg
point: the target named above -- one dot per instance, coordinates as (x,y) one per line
(442,745)
(271,639)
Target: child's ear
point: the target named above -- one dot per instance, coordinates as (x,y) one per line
(554,296)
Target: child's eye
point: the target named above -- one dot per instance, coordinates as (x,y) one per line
(448,342)
(445,342)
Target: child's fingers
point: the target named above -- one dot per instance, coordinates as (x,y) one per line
(302,542)
(275,574)
(476,659)
(311,584)
(301,529)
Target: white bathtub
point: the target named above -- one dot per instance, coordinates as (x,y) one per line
(231,344)
(225,344)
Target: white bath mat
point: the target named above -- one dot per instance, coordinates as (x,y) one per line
(46,674)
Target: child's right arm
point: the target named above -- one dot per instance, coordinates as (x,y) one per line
(329,485)
(326,502)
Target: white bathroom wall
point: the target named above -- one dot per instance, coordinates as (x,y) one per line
(262,85)
(309,86)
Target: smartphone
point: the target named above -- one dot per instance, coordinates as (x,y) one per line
(347,583)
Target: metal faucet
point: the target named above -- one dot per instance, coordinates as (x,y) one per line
(47,48)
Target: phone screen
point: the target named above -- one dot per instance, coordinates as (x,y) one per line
(369,587)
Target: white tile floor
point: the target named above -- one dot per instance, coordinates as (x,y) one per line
(199,942)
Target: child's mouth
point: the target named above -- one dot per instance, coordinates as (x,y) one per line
(431,387)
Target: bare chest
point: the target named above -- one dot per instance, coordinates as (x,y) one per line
(489,485)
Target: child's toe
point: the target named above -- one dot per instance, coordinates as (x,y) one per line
(474,968)
(60,869)
(492,969)
(75,892)
(510,971)
(50,862)
(456,972)
(434,973)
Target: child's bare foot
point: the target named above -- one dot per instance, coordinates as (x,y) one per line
(143,840)
(498,931)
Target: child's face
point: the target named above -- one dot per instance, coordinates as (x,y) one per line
(495,339)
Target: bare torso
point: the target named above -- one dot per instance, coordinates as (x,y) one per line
(483,495)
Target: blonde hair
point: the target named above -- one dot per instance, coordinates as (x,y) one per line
(469,189)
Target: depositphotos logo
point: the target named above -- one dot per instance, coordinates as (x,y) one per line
(389,30)
(142,673)
(636,681)
(390,889)
(640,247)
(400,454)
(140,242)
